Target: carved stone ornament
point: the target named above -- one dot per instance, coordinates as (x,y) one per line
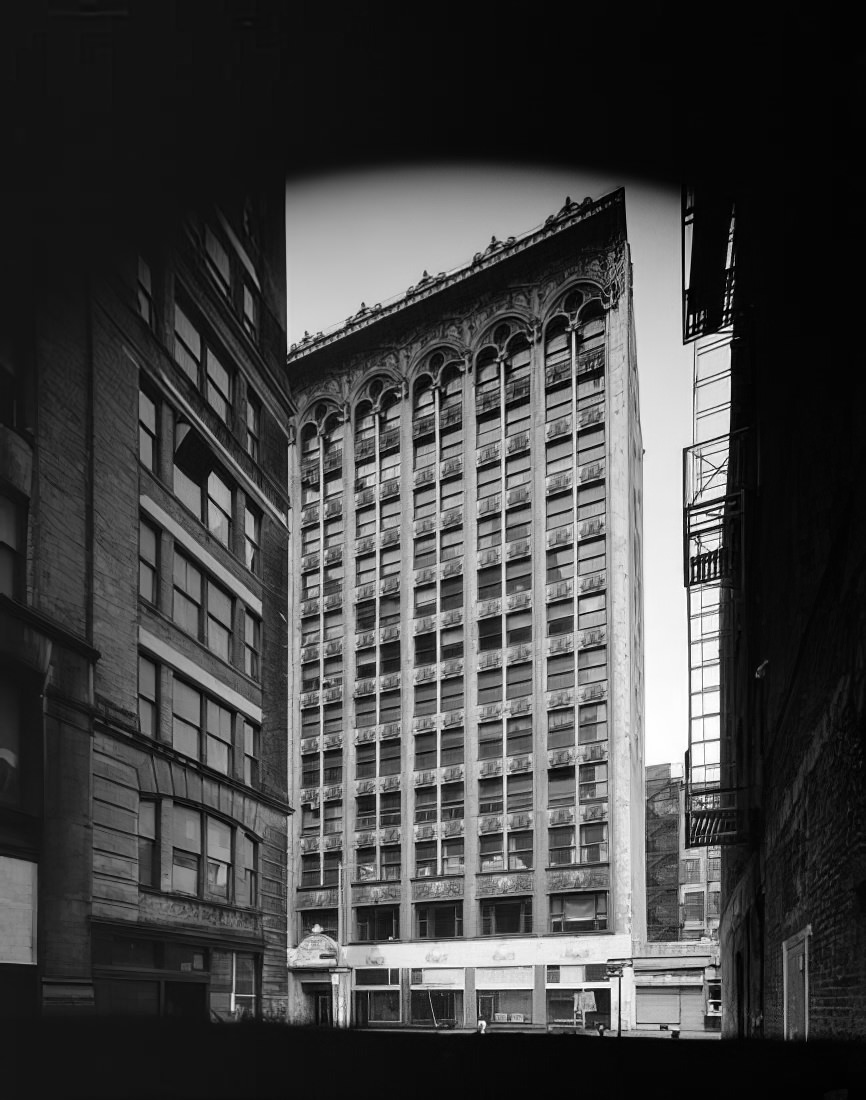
(375,895)
(503,954)
(374,957)
(438,888)
(316,899)
(582,878)
(316,950)
(436,955)
(504,884)
(170,910)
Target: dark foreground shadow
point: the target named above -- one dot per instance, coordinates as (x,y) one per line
(155,1058)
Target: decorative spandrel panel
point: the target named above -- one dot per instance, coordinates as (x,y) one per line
(435,889)
(375,895)
(501,885)
(316,899)
(579,878)
(156,909)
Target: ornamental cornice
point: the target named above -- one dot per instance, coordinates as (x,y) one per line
(571,213)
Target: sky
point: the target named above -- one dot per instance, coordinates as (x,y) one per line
(368,235)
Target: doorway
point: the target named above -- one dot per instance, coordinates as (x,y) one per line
(323,1008)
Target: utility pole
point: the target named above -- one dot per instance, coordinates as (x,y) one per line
(614,969)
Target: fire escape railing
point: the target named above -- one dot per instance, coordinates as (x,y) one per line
(712,568)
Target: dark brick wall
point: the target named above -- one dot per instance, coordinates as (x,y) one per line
(799,729)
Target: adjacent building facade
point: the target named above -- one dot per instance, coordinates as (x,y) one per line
(144,802)
(467,644)
(774,536)
(683,883)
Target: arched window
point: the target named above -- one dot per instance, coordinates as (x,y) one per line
(309,442)
(422,402)
(517,363)
(365,422)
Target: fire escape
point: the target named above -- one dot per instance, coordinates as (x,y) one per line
(713,514)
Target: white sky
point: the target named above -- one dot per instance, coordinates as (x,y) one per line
(369,235)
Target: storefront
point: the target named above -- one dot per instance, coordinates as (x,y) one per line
(436,997)
(173,975)
(504,994)
(670,993)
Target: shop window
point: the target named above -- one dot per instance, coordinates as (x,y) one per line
(595,1003)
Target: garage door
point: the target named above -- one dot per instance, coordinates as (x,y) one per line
(692,1009)
(657,1006)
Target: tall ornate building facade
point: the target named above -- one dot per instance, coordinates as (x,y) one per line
(467,644)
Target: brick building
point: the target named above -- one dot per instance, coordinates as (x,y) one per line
(466,633)
(774,567)
(143,474)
